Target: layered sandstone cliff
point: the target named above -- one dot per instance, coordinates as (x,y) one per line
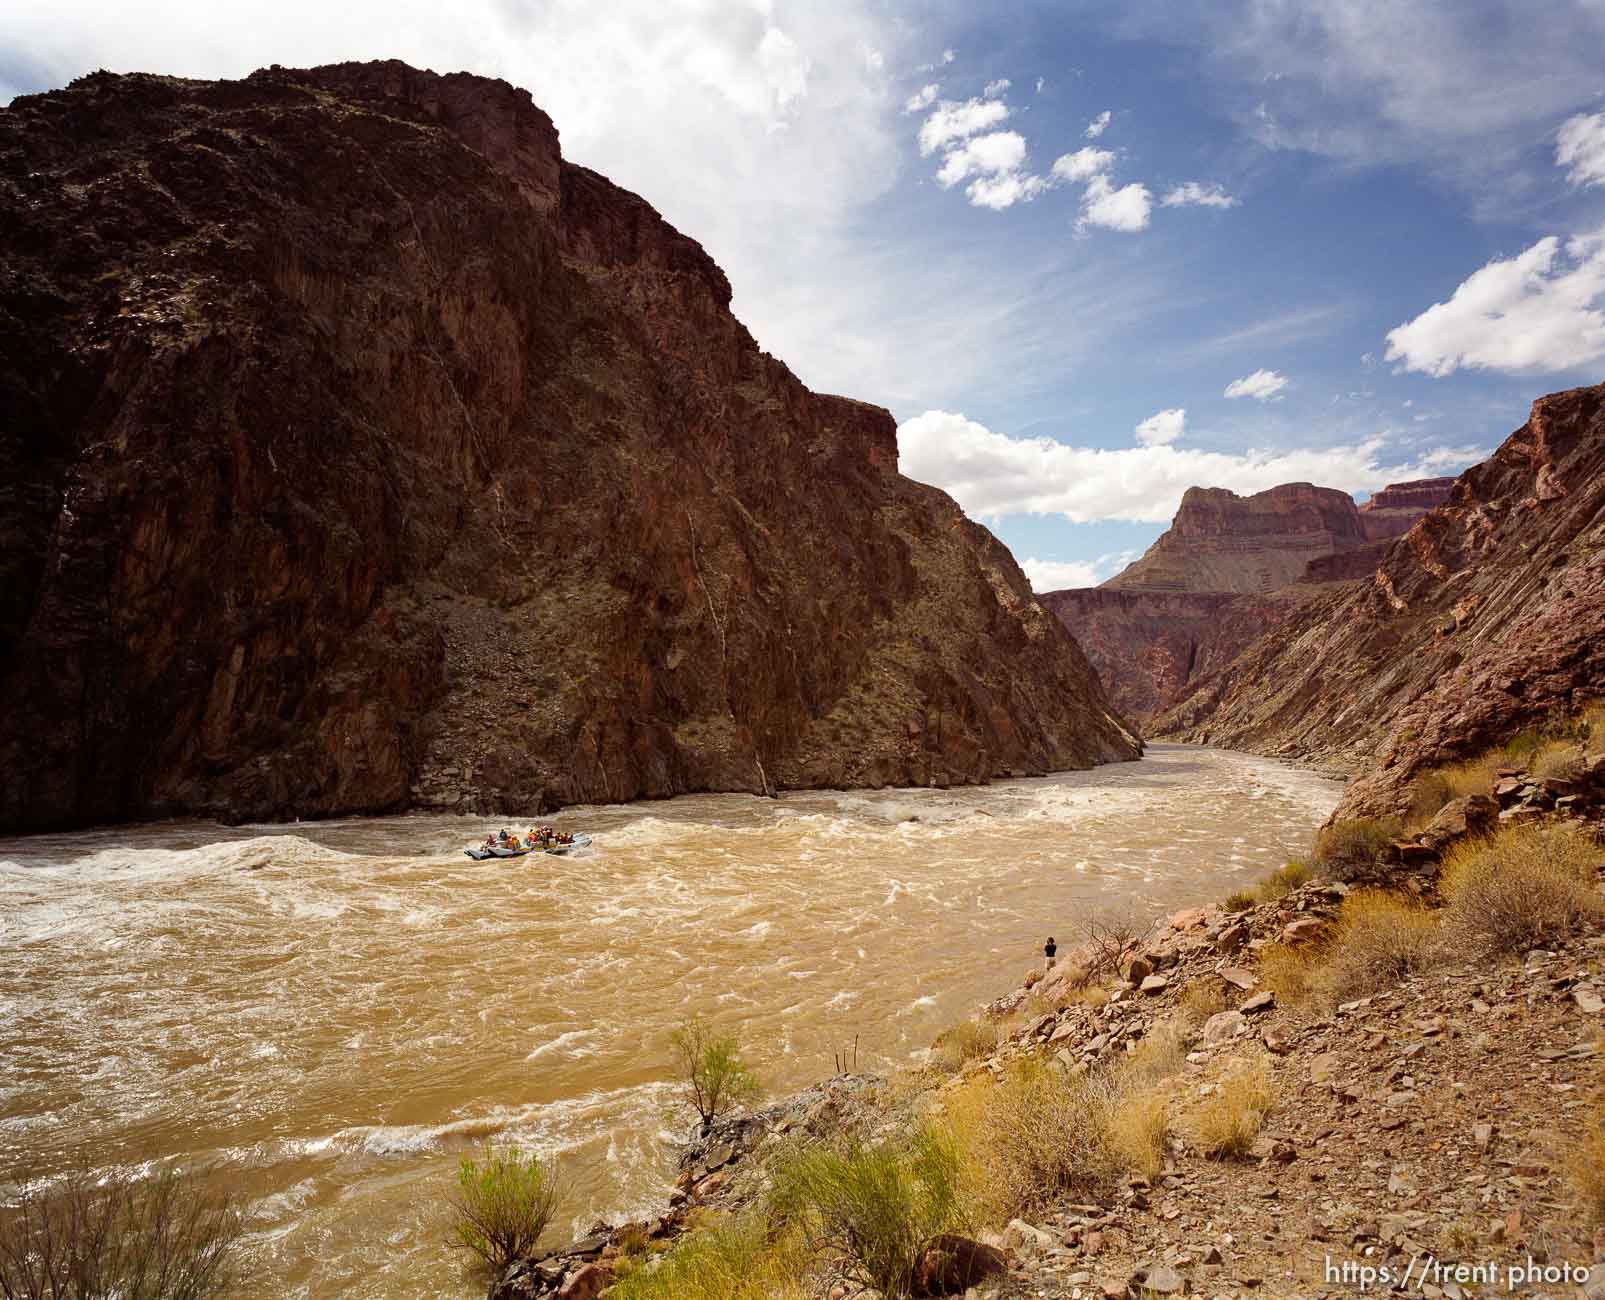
(1487,616)
(358,452)
(1228,570)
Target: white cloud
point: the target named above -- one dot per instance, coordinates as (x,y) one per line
(1163,428)
(922,98)
(1000,151)
(996,88)
(992,475)
(1004,191)
(1083,164)
(958,121)
(1124,209)
(1098,125)
(1262,385)
(1057,575)
(1537,311)
(1041,82)
(1580,147)
(949,55)
(1195,192)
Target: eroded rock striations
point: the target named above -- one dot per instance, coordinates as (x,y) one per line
(1487,616)
(357,452)
(1228,570)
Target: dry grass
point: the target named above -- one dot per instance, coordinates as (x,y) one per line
(1285,880)
(1557,760)
(1511,891)
(1028,1137)
(1435,788)
(966,1041)
(736,1259)
(1240,901)
(1379,939)
(1156,1058)
(1348,848)
(1138,1129)
(1289,971)
(1204,998)
(1226,1123)
(1584,1164)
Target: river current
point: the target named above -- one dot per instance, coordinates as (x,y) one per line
(330,1014)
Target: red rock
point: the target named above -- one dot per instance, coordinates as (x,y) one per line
(446,480)
(1302,931)
(952,1263)
(588,1282)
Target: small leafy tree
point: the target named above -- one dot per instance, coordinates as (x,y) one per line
(501,1207)
(716,1077)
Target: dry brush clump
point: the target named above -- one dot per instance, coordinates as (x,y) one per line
(726,1259)
(1225,1124)
(1284,880)
(1350,848)
(163,1238)
(1584,1164)
(1380,939)
(1513,890)
(969,1040)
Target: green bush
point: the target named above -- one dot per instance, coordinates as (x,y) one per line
(160,1239)
(501,1207)
(1284,880)
(733,1260)
(1240,901)
(874,1208)
(715,1075)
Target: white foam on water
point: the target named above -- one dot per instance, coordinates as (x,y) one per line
(564,1041)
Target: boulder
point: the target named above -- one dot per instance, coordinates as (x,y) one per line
(1020,1235)
(1239,978)
(1473,815)
(1302,931)
(1155,984)
(1232,938)
(1140,969)
(586,1283)
(1156,1280)
(1261,1001)
(952,1263)
(1222,1027)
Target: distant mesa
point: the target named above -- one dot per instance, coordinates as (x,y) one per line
(1228,569)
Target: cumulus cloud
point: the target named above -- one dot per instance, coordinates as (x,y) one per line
(996,88)
(1125,208)
(1004,191)
(1580,147)
(1262,385)
(999,151)
(922,98)
(1163,428)
(992,475)
(1083,164)
(1199,194)
(1537,311)
(1057,575)
(949,55)
(954,121)
(1098,125)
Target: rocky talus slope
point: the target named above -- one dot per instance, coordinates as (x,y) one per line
(358,452)
(1228,570)
(1487,616)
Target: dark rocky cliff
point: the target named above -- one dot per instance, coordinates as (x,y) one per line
(1487,616)
(357,452)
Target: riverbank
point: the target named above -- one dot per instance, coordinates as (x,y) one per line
(1336,1083)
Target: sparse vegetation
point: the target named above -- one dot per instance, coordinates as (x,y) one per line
(1439,786)
(1380,938)
(1510,891)
(1284,880)
(1349,848)
(1557,760)
(715,1075)
(1584,1163)
(873,1208)
(1202,999)
(1240,901)
(501,1207)
(1137,1132)
(964,1042)
(1109,942)
(164,1238)
(1289,970)
(736,1259)
(1226,1123)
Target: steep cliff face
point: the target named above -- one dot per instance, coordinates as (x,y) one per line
(1228,570)
(357,452)
(1486,616)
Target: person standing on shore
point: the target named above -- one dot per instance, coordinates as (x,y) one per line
(1048,949)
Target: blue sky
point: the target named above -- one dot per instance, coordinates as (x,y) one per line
(1383,230)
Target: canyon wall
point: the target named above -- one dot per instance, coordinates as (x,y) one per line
(1486,617)
(358,453)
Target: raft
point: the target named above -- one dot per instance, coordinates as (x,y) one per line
(479,853)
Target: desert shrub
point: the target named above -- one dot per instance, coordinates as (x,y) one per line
(1108,942)
(1349,847)
(736,1259)
(1289,970)
(500,1207)
(1557,760)
(1591,725)
(966,1041)
(1441,785)
(1510,891)
(1226,1123)
(1157,1057)
(1379,939)
(1239,901)
(1524,743)
(1138,1127)
(1584,1164)
(711,1067)
(164,1238)
(1284,880)
(1203,998)
(873,1208)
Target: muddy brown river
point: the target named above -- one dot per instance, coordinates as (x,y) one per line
(333,1013)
